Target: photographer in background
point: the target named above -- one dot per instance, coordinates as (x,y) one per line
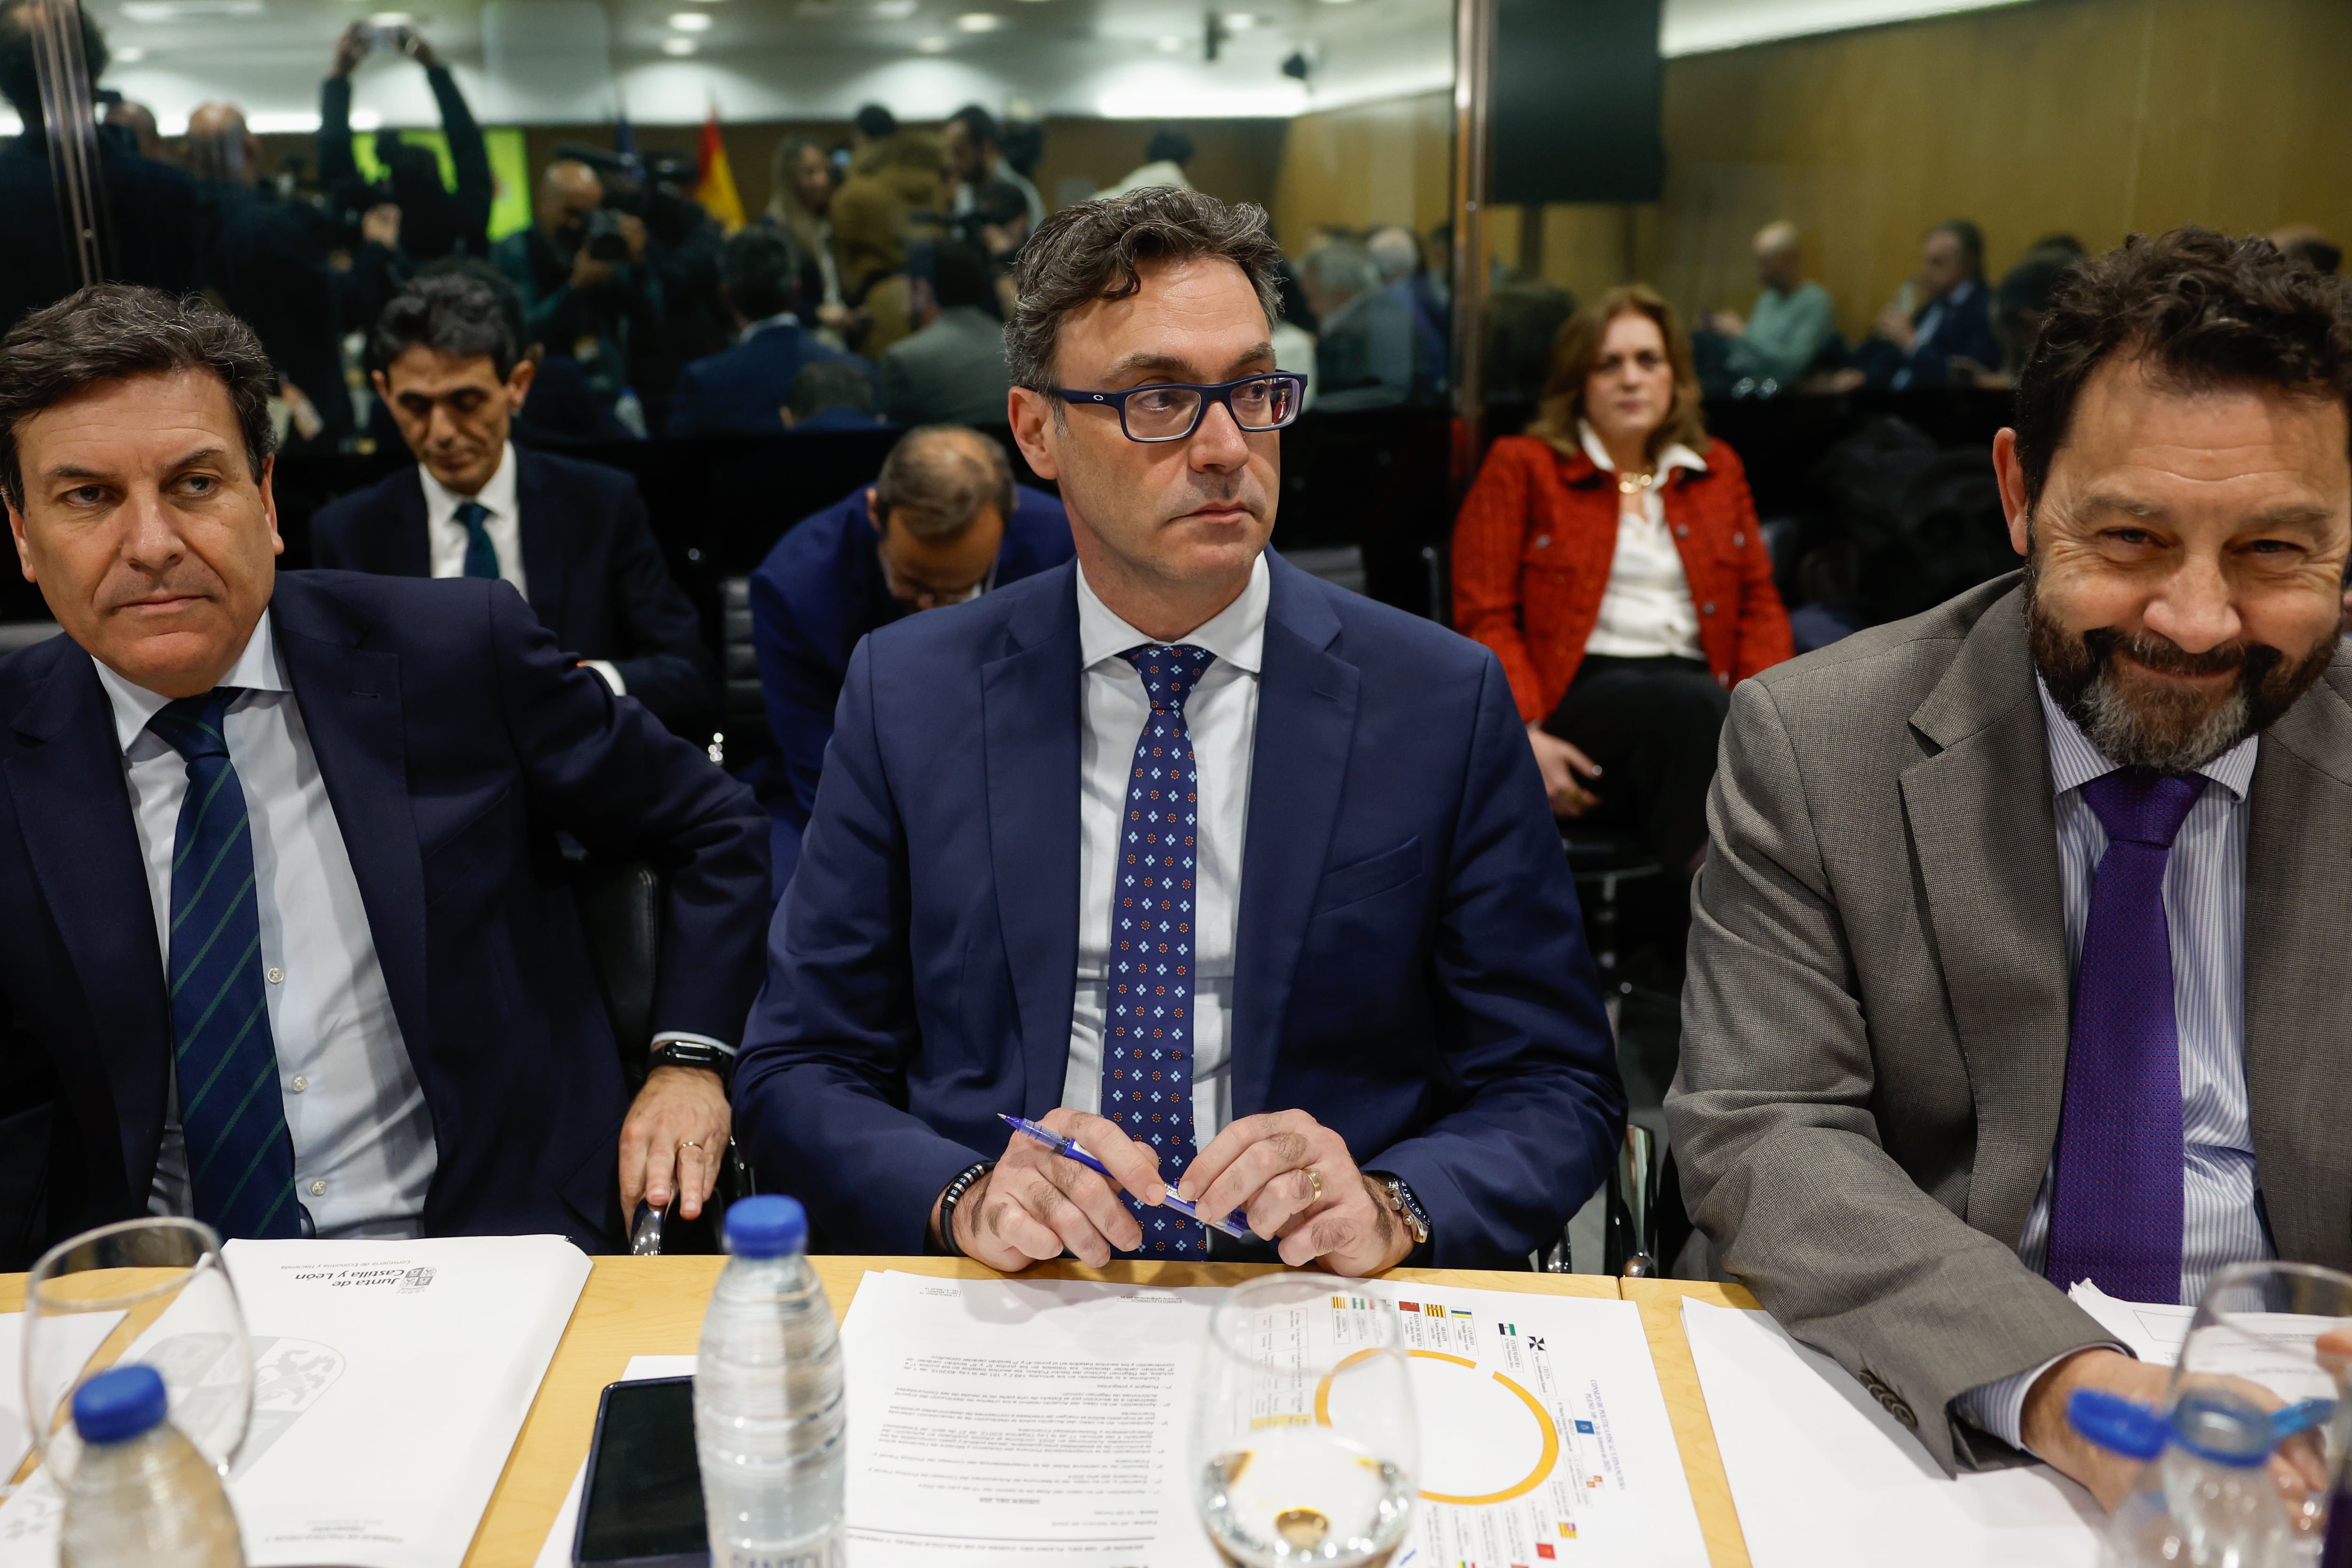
(587,290)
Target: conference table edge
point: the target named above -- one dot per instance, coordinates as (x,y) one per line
(1661,1302)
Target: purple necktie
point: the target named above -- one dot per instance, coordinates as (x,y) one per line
(1148,1060)
(2115,1213)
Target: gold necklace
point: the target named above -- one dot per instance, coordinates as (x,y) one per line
(1634,484)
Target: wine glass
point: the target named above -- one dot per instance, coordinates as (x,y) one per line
(153,1291)
(1304,1443)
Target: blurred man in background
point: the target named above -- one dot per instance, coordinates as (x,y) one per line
(587,291)
(1364,352)
(434,220)
(832,394)
(1938,329)
(1164,157)
(970,139)
(744,390)
(952,371)
(1793,320)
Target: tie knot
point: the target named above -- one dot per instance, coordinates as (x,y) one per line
(192,726)
(2140,805)
(1170,671)
(472,513)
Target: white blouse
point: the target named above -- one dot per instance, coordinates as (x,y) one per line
(1646,610)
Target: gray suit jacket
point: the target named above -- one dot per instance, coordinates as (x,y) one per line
(1874,1027)
(952,371)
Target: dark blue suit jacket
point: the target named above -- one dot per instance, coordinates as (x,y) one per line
(455,739)
(597,579)
(1409,969)
(743,391)
(818,592)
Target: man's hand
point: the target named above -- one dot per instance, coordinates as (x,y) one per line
(633,235)
(350,48)
(587,272)
(1296,1180)
(2053,1439)
(413,44)
(1897,328)
(673,1141)
(1035,1203)
(1561,763)
(1727,323)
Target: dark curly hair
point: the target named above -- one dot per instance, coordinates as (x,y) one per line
(112,331)
(1091,251)
(2203,310)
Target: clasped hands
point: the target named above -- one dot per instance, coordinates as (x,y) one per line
(1036,1205)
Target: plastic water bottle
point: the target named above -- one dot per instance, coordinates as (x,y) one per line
(769,1416)
(2204,1498)
(141,1493)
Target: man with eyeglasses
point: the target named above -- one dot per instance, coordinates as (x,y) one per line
(1245,883)
(942,523)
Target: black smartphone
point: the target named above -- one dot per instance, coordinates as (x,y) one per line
(641,1505)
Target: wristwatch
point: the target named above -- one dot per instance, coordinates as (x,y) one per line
(956,1189)
(1403,1204)
(694,1054)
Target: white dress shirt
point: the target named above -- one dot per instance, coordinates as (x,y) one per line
(1646,610)
(1221,717)
(448,538)
(363,1148)
(2205,919)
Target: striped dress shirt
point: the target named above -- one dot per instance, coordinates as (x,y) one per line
(2205,915)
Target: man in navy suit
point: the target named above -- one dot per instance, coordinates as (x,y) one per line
(284,944)
(743,391)
(942,523)
(1244,882)
(571,536)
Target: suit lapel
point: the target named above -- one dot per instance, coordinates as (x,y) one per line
(2298,902)
(352,707)
(407,549)
(1984,831)
(1305,720)
(540,528)
(1031,719)
(72,802)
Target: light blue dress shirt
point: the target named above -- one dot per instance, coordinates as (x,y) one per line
(2205,913)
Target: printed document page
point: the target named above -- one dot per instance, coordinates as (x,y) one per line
(1003,1421)
(1824,1477)
(82,1334)
(2152,1330)
(390,1381)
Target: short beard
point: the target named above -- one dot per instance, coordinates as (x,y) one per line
(2167,729)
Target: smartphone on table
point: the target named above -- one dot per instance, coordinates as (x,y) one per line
(641,1503)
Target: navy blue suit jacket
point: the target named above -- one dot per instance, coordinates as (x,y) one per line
(597,579)
(455,739)
(1409,967)
(818,592)
(743,391)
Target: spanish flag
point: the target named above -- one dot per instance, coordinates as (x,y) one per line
(714,185)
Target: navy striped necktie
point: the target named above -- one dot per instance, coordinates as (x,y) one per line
(240,1157)
(481,556)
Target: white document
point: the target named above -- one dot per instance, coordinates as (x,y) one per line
(2152,1331)
(390,1380)
(1824,1477)
(81,1334)
(557,1551)
(1016,1421)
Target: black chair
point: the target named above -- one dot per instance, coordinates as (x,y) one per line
(621,917)
(1602,862)
(1630,1241)
(743,736)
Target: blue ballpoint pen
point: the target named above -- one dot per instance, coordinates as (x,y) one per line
(1236,1224)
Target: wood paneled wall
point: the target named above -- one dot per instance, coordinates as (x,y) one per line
(1375,162)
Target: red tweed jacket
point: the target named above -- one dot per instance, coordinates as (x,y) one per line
(1532,555)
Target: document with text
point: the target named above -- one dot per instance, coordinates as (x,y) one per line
(390,1381)
(1007,1420)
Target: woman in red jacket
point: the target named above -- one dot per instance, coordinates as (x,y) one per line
(1611,557)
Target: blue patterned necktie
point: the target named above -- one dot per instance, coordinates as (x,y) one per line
(481,556)
(2115,1208)
(240,1159)
(1147,1061)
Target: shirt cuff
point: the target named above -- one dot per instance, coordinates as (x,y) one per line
(1999,1407)
(605,667)
(667,1036)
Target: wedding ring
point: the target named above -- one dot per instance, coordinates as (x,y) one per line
(690,1143)
(1315,1176)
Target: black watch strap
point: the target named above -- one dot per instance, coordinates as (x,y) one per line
(693,1054)
(965,1181)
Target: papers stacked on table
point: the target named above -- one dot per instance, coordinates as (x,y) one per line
(82,1334)
(1824,1477)
(390,1381)
(1006,1421)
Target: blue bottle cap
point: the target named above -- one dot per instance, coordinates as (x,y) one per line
(768,1225)
(2222,1427)
(120,1402)
(2119,1425)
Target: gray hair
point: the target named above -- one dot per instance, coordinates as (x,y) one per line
(938,476)
(1395,250)
(1342,266)
(112,331)
(1094,250)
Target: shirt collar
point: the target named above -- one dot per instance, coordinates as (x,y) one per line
(1674,456)
(2076,762)
(1235,634)
(255,669)
(753,329)
(441,502)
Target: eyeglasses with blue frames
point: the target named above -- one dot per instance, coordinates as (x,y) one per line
(1170,411)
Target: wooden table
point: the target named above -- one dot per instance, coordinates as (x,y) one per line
(653,1305)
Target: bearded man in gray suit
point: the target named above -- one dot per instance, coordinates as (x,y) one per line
(2017,956)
